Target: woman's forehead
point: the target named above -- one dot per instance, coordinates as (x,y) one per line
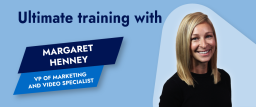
(202,28)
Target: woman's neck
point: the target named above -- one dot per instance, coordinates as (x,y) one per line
(199,67)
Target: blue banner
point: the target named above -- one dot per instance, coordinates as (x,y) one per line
(70,55)
(66,65)
(55,80)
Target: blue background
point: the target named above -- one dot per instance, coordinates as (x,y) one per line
(128,83)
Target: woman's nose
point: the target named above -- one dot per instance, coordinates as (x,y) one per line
(202,43)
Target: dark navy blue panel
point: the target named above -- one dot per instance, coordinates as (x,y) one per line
(104,52)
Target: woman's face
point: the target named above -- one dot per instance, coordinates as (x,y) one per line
(202,43)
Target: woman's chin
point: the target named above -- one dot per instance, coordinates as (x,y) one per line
(203,60)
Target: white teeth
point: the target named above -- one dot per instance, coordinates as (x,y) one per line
(204,52)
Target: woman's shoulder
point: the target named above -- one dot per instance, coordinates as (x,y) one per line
(174,80)
(172,92)
(223,73)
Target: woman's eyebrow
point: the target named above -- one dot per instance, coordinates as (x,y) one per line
(194,34)
(209,32)
(198,34)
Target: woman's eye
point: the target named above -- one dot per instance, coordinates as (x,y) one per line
(194,39)
(208,36)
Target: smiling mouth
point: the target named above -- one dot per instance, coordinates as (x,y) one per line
(204,52)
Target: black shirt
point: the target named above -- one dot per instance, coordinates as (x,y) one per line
(176,93)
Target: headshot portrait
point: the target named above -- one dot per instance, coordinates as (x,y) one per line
(198,82)
(203,61)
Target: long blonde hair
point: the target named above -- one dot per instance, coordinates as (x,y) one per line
(183,54)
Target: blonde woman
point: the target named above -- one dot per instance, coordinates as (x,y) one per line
(198,82)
